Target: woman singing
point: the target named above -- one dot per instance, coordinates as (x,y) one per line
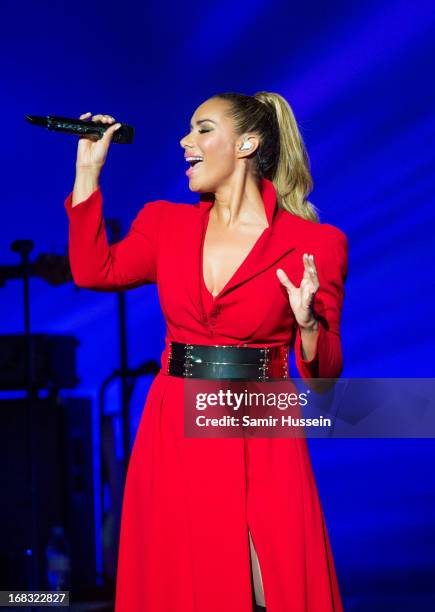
(223,524)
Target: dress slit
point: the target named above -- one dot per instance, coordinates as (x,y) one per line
(257,577)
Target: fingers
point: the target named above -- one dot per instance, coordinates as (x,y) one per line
(100,118)
(108,133)
(285,279)
(103,119)
(310,270)
(309,264)
(310,280)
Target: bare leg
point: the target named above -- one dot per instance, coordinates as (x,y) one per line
(256,573)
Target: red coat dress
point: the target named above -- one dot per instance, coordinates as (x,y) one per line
(189,502)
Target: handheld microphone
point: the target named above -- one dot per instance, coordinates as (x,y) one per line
(123,135)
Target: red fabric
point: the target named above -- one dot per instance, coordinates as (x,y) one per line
(188,503)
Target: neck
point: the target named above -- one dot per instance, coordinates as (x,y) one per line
(239,201)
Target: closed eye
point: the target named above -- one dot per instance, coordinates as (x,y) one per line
(202,131)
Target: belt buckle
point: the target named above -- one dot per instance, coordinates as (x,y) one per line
(264,361)
(188,361)
(285,364)
(169,357)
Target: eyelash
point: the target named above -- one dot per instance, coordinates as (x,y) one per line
(203,131)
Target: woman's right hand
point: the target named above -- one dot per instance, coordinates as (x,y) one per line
(91,150)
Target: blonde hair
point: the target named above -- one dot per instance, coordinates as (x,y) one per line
(281,156)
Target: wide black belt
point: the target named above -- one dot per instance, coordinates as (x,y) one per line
(227,362)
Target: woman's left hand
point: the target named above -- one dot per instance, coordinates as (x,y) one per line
(301,298)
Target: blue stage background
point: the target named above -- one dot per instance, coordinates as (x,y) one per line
(359,77)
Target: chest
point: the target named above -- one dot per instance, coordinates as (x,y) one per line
(249,304)
(224,251)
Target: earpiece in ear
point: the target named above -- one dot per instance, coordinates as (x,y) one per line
(246,145)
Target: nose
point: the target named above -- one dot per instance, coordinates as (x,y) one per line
(183,142)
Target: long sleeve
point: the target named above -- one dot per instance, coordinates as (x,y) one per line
(332,266)
(126,264)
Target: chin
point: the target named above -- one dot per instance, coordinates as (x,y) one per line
(199,186)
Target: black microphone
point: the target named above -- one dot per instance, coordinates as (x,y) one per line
(123,135)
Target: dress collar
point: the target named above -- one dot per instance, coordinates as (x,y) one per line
(268,193)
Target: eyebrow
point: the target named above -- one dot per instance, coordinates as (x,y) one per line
(202,121)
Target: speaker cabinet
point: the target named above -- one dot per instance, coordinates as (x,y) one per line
(64,490)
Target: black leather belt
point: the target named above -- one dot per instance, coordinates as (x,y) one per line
(227,362)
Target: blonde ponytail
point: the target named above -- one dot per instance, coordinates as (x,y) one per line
(292,178)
